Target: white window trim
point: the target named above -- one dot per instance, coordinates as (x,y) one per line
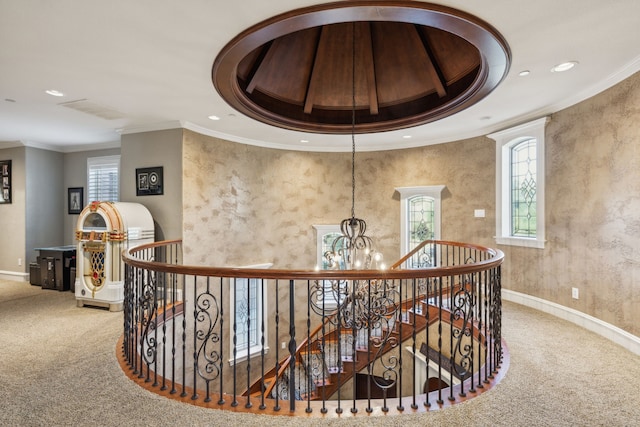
(255,350)
(434,191)
(504,141)
(97,161)
(321,231)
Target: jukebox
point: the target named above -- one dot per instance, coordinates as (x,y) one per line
(103,231)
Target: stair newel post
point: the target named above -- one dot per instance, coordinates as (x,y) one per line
(292,347)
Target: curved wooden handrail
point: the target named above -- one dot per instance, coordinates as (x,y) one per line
(448,277)
(283,274)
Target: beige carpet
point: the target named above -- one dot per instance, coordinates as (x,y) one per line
(58,368)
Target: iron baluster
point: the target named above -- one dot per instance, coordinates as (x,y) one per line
(308,364)
(292,347)
(277,377)
(234,402)
(221,398)
(248,346)
(398,324)
(440,313)
(262,343)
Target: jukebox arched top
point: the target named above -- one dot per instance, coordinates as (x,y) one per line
(104,230)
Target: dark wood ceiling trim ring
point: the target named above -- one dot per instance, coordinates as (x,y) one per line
(415,63)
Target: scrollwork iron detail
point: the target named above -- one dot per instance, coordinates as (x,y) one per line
(207,313)
(463,307)
(148,309)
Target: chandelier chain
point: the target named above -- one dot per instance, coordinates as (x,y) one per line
(353,121)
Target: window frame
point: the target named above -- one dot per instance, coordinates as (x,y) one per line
(261,315)
(102,161)
(406,194)
(321,231)
(505,141)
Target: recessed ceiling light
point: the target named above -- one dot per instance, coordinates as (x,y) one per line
(485,118)
(10,100)
(214,118)
(524,73)
(54,92)
(406,136)
(304,140)
(564,66)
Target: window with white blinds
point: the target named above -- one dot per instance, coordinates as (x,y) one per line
(103,178)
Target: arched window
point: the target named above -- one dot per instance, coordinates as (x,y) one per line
(520,185)
(325,235)
(523,188)
(419,216)
(422,221)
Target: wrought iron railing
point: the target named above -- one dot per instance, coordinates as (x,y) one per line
(281,341)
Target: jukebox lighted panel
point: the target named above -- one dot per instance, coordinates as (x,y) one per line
(103,231)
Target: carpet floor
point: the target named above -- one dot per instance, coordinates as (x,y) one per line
(58,367)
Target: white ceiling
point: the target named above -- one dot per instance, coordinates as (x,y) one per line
(150,61)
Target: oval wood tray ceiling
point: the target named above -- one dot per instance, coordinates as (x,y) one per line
(415,63)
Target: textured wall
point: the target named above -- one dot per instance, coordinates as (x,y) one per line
(247,205)
(593,211)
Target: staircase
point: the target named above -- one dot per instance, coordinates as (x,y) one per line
(330,359)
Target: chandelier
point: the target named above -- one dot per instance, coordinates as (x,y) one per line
(353,249)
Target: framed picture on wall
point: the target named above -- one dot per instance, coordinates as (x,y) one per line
(149,181)
(75,200)
(5,181)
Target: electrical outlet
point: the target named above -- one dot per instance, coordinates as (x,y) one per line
(283,345)
(575,294)
(19,261)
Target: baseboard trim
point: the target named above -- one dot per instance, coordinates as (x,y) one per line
(593,324)
(14,275)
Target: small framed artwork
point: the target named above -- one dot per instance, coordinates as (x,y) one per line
(149,181)
(5,181)
(75,200)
